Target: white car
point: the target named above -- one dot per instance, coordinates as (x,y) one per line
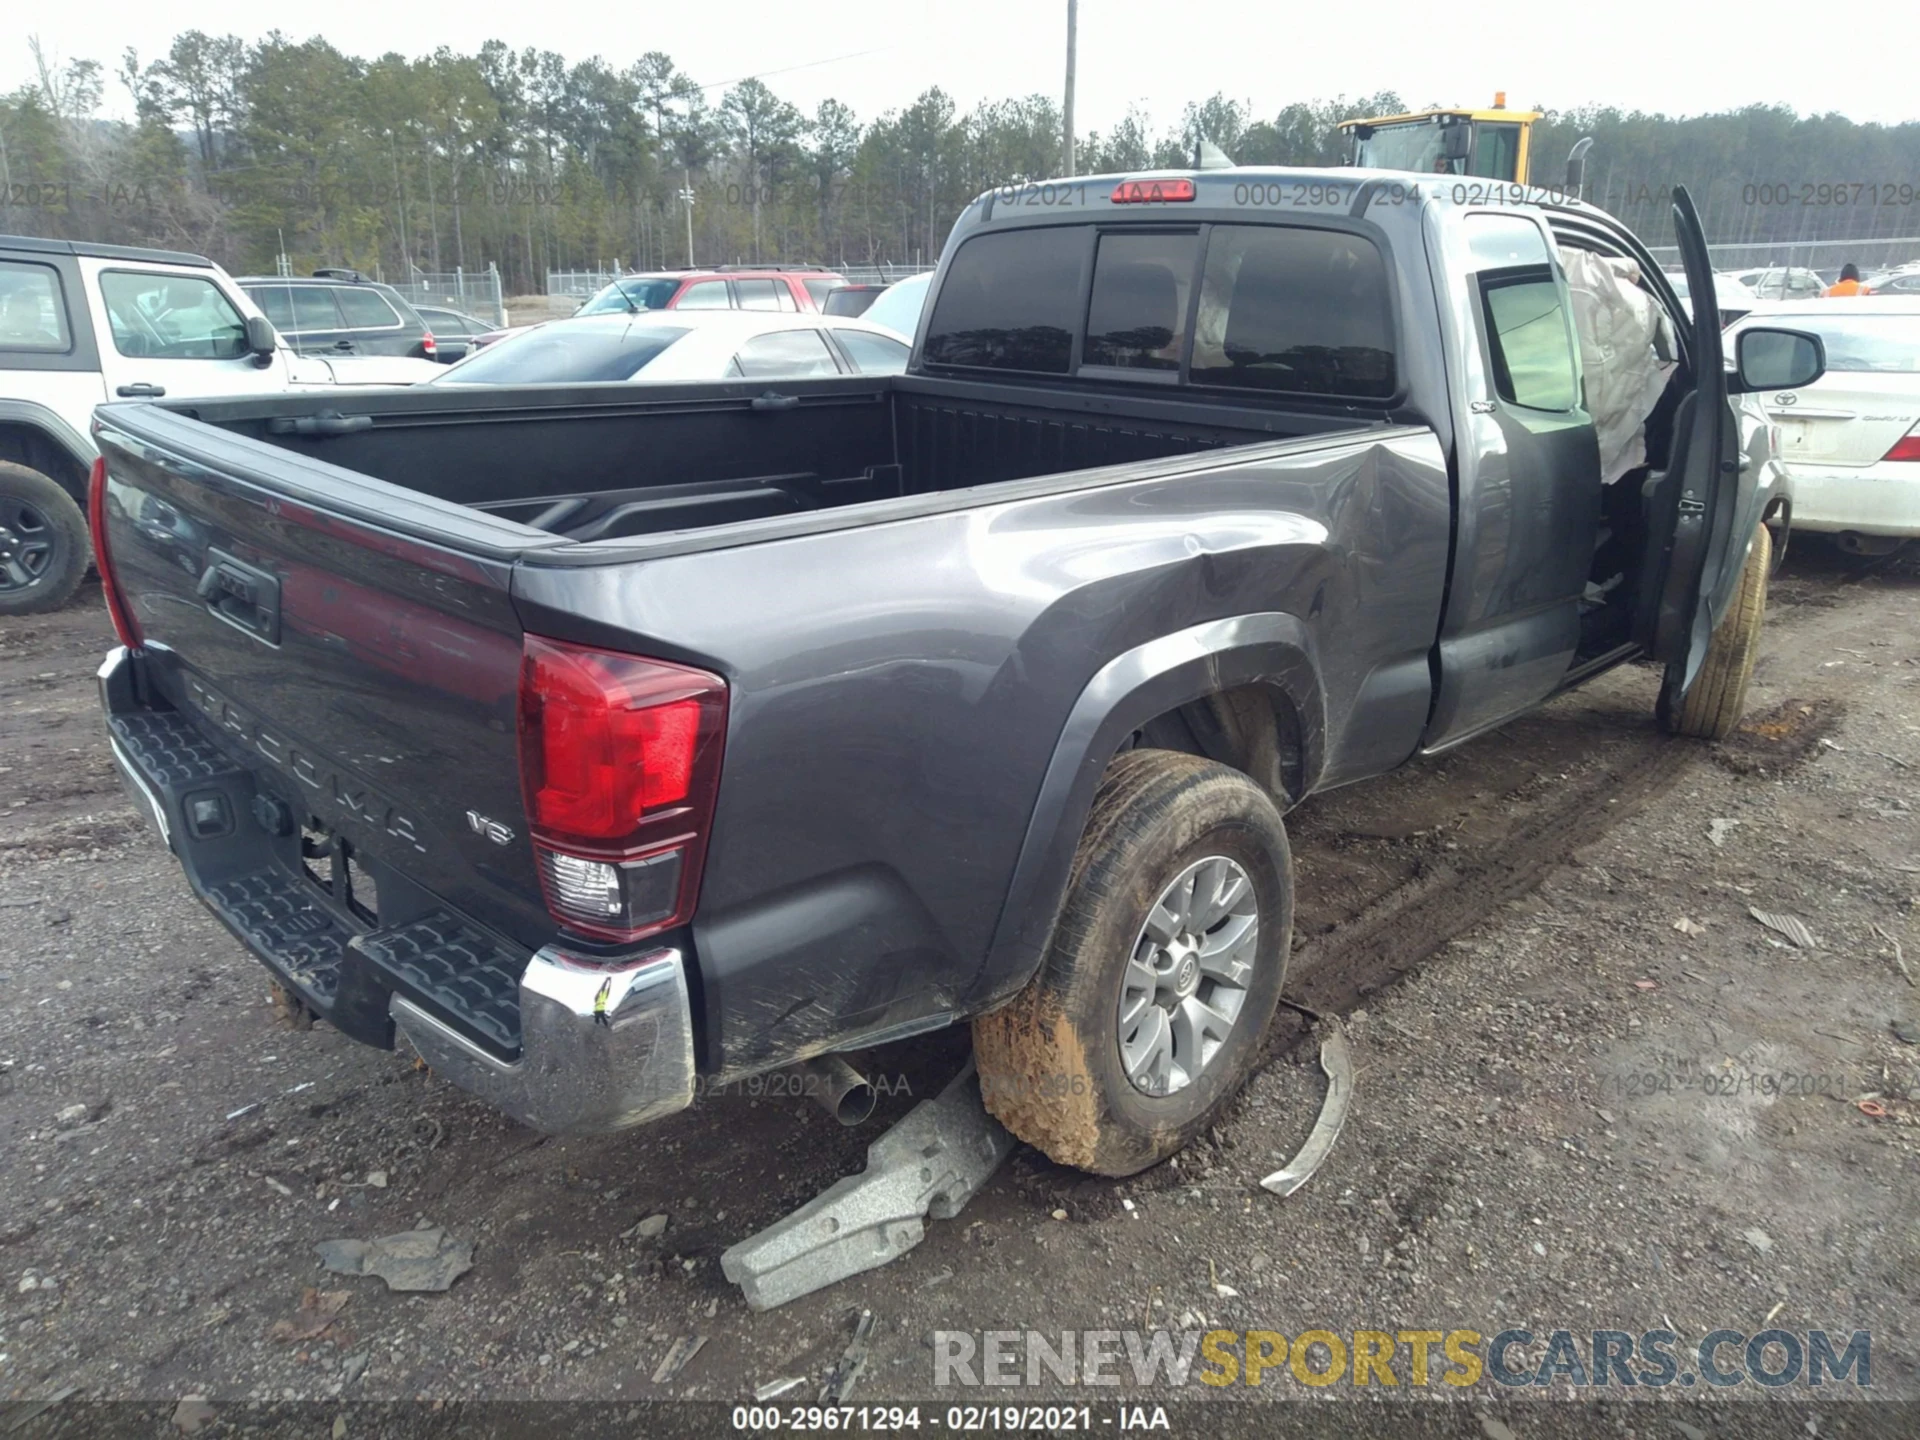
(1734,298)
(1851,440)
(1903,280)
(1782,282)
(666,346)
(899,306)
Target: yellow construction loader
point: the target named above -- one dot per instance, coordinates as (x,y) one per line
(1493,144)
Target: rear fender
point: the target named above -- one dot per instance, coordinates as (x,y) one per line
(1268,650)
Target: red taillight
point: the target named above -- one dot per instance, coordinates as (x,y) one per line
(1152,192)
(428,346)
(619,769)
(1907,447)
(123,624)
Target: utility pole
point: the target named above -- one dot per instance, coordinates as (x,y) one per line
(1073,42)
(687,196)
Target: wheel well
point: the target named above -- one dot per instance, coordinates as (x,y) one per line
(30,446)
(1255,729)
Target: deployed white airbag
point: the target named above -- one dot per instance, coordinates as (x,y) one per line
(1623,336)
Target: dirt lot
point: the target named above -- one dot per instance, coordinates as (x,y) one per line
(1569,1112)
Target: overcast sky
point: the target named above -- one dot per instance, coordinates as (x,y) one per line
(1636,54)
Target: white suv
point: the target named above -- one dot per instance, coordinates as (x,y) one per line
(82,323)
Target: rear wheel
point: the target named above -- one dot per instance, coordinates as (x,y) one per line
(1713,705)
(43,542)
(1149,1010)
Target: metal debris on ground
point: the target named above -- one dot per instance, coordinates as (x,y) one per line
(1338,1064)
(423,1259)
(676,1358)
(1899,955)
(774,1389)
(1790,926)
(932,1162)
(853,1361)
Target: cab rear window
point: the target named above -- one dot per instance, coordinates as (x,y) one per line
(1009,300)
(1295,310)
(1286,309)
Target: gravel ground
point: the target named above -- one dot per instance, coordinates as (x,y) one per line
(1593,1091)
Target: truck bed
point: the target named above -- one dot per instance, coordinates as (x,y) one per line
(594,463)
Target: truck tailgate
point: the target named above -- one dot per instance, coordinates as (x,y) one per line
(334,663)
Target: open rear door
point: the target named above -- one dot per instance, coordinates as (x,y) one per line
(1690,507)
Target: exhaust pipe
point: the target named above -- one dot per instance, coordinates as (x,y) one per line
(842,1091)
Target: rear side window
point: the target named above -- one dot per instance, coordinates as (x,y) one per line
(366,310)
(785,352)
(707,295)
(1138,315)
(1008,302)
(294,308)
(873,354)
(33,312)
(1532,350)
(1294,310)
(760,294)
(820,289)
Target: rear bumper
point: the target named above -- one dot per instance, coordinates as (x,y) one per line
(1881,499)
(563,1042)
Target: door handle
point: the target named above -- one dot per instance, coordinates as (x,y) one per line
(343,345)
(774,401)
(140,390)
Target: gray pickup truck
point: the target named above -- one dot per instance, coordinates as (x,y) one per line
(607,740)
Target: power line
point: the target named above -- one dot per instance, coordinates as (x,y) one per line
(789,69)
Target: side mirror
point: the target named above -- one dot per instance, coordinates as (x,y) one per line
(262,340)
(1577,167)
(1766,359)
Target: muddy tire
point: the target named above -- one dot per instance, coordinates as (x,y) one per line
(1150,1007)
(1718,698)
(44,546)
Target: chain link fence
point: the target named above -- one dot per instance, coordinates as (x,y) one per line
(1821,255)
(472,292)
(582,284)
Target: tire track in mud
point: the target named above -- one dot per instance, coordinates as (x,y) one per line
(1392,936)
(1451,892)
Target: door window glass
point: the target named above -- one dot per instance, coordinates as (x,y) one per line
(707,295)
(172,317)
